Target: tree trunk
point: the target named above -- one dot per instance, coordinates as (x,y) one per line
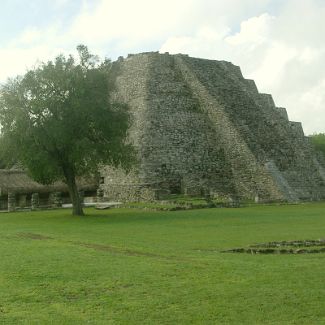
(73,191)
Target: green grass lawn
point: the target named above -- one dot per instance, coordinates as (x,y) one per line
(125,266)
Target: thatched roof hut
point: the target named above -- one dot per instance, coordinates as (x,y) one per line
(17,181)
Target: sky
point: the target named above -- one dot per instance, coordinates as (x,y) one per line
(278,43)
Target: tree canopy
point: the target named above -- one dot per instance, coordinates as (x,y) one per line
(59,121)
(318,140)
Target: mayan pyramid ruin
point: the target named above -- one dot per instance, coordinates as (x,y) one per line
(200,128)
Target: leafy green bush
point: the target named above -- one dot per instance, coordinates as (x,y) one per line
(318,140)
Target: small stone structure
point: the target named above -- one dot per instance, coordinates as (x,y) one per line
(200,128)
(19,191)
(308,246)
(35,201)
(11,201)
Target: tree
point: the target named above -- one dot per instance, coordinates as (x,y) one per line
(59,121)
(318,140)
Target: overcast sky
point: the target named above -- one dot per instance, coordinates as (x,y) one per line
(278,43)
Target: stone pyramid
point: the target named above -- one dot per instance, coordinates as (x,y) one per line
(200,128)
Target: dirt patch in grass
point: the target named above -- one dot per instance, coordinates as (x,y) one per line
(29,235)
(118,250)
(308,246)
(100,247)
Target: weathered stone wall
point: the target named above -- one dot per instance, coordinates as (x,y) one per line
(199,127)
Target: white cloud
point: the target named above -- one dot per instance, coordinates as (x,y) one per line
(18,60)
(134,21)
(204,43)
(30,35)
(254,31)
(270,71)
(309,55)
(60,3)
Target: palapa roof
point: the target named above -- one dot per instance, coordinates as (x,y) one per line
(14,180)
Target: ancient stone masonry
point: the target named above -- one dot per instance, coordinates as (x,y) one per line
(200,128)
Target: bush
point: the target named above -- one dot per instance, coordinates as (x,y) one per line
(318,140)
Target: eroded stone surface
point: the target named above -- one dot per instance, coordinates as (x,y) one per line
(200,128)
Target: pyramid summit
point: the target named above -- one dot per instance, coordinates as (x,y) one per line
(199,127)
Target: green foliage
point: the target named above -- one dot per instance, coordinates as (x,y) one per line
(123,266)
(318,140)
(60,113)
(58,119)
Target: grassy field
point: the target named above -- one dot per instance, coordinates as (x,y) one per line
(125,266)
